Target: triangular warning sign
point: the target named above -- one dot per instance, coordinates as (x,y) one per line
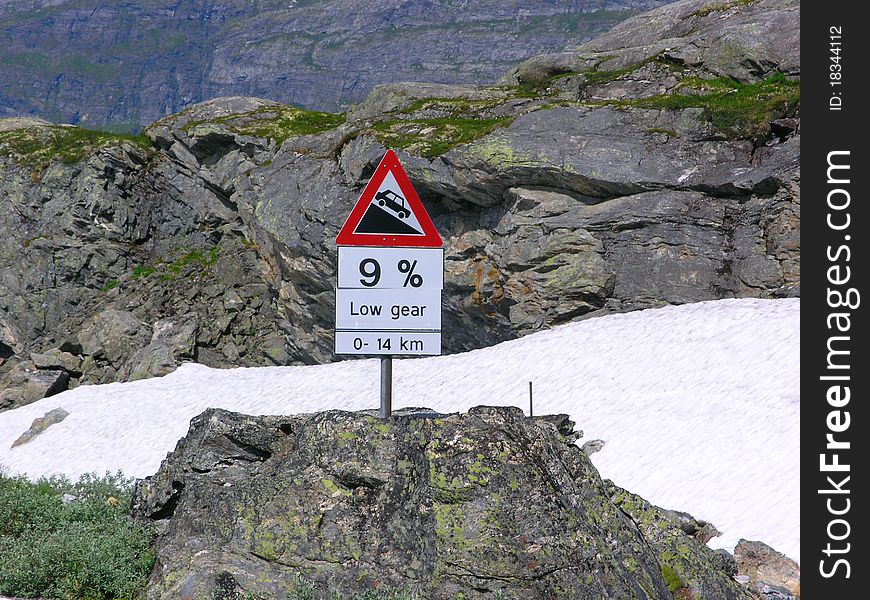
(389,212)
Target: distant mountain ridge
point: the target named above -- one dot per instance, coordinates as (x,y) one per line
(121,65)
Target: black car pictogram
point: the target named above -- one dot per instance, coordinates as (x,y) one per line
(394,202)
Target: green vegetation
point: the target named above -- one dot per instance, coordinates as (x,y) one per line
(110,285)
(539,88)
(38,146)
(83,548)
(433,137)
(740,110)
(142,272)
(171,269)
(201,258)
(195,257)
(672,580)
(456,107)
(596,76)
(276,123)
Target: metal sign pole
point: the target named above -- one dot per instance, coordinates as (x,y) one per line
(530,399)
(386,386)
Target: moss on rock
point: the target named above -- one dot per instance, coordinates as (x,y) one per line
(39,146)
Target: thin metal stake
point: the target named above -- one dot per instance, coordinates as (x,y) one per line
(530,398)
(386,386)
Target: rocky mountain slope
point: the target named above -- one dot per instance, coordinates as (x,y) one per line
(446,506)
(657,164)
(127,64)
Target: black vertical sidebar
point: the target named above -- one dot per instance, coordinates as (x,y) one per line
(834,338)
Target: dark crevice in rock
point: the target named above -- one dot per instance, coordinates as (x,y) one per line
(167,507)
(247,452)
(353,481)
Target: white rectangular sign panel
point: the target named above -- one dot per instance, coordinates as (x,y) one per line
(388,342)
(390,268)
(406,308)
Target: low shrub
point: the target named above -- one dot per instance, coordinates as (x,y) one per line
(65,540)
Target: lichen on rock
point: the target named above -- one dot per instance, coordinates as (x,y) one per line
(444,505)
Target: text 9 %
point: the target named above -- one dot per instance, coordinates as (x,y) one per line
(370,270)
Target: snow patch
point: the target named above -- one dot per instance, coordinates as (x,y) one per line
(698,406)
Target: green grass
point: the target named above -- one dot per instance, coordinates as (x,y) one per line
(740,110)
(433,137)
(539,88)
(457,107)
(198,257)
(276,123)
(596,76)
(84,549)
(172,269)
(39,146)
(142,272)
(110,285)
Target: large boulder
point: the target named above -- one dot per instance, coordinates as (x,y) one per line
(23,383)
(764,566)
(460,505)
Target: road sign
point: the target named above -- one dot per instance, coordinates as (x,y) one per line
(388,342)
(390,275)
(400,309)
(389,212)
(390,268)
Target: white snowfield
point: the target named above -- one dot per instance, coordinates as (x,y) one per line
(698,406)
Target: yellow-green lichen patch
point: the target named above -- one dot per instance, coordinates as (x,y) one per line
(498,151)
(347,436)
(663,131)
(478,472)
(334,489)
(672,580)
(448,525)
(39,146)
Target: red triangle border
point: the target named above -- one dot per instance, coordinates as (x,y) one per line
(430,237)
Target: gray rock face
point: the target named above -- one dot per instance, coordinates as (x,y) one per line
(447,505)
(101,63)
(57,359)
(594,185)
(690,568)
(23,383)
(733,39)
